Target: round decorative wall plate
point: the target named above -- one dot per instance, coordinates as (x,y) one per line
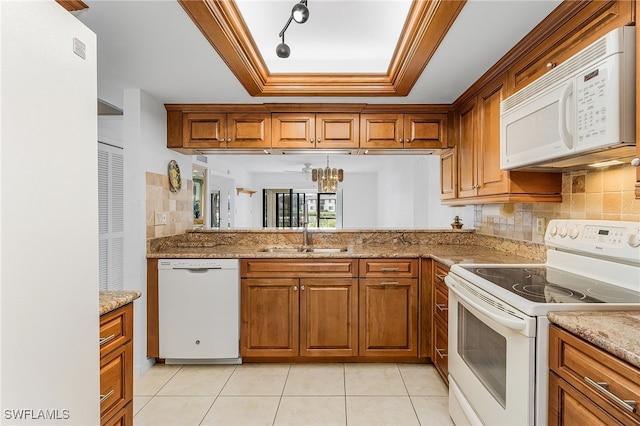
(175,182)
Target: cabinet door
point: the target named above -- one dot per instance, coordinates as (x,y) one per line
(269,317)
(491,179)
(204,130)
(381,131)
(440,348)
(424,131)
(467,165)
(337,130)
(293,130)
(388,316)
(328,317)
(249,131)
(448,174)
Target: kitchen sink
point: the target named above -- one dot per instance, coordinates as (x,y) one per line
(303,250)
(327,249)
(283,250)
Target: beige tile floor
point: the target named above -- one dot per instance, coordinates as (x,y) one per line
(291,394)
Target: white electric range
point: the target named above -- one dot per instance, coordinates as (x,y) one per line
(498,326)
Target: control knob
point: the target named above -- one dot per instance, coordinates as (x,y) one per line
(562,231)
(553,231)
(574,232)
(634,239)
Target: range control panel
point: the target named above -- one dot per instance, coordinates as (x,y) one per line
(619,240)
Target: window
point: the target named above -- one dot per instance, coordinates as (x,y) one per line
(284,208)
(111,216)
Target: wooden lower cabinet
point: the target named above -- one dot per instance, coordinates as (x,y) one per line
(585,381)
(310,316)
(320,308)
(388,317)
(388,307)
(116,367)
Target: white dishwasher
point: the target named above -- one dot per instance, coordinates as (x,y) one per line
(199,310)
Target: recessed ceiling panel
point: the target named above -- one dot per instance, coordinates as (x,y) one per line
(339,37)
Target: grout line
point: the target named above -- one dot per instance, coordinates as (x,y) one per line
(409,395)
(281,394)
(344,384)
(235,367)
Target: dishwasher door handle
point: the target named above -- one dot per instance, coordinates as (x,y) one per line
(197,270)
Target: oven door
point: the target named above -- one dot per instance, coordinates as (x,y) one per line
(491,358)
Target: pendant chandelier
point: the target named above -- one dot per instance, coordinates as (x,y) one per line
(327,178)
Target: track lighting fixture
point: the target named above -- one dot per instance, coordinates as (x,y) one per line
(300,14)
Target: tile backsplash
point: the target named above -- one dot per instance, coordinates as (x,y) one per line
(177,206)
(606,194)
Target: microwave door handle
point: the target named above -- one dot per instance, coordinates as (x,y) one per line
(500,319)
(565,136)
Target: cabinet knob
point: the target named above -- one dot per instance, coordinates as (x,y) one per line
(318,140)
(311,140)
(228,139)
(295,288)
(302,287)
(400,140)
(635,162)
(551,65)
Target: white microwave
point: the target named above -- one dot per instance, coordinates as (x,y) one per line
(580,112)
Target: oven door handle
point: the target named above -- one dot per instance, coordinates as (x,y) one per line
(500,319)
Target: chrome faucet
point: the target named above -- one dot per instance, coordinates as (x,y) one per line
(305,229)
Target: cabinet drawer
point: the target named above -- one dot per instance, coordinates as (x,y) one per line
(584,365)
(293,268)
(567,406)
(123,417)
(441,347)
(439,272)
(388,267)
(116,380)
(116,329)
(441,303)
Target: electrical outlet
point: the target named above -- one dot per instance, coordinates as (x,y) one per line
(540,225)
(160,218)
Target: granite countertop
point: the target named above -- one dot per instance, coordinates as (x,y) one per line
(614,331)
(112,300)
(447,254)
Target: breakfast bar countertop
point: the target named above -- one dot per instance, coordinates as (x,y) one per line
(112,300)
(614,331)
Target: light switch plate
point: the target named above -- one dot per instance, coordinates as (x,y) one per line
(540,225)
(160,218)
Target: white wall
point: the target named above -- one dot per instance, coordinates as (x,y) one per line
(49,317)
(144,135)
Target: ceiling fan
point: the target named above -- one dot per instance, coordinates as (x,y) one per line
(305,170)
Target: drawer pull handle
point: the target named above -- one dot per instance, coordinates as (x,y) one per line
(441,307)
(389,283)
(104,340)
(389,269)
(441,353)
(602,387)
(441,277)
(105,396)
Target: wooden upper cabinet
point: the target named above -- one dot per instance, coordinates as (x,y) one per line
(400,131)
(491,179)
(592,22)
(467,147)
(204,130)
(425,131)
(308,130)
(210,130)
(448,171)
(249,131)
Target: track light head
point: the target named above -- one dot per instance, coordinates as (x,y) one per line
(283,50)
(300,13)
